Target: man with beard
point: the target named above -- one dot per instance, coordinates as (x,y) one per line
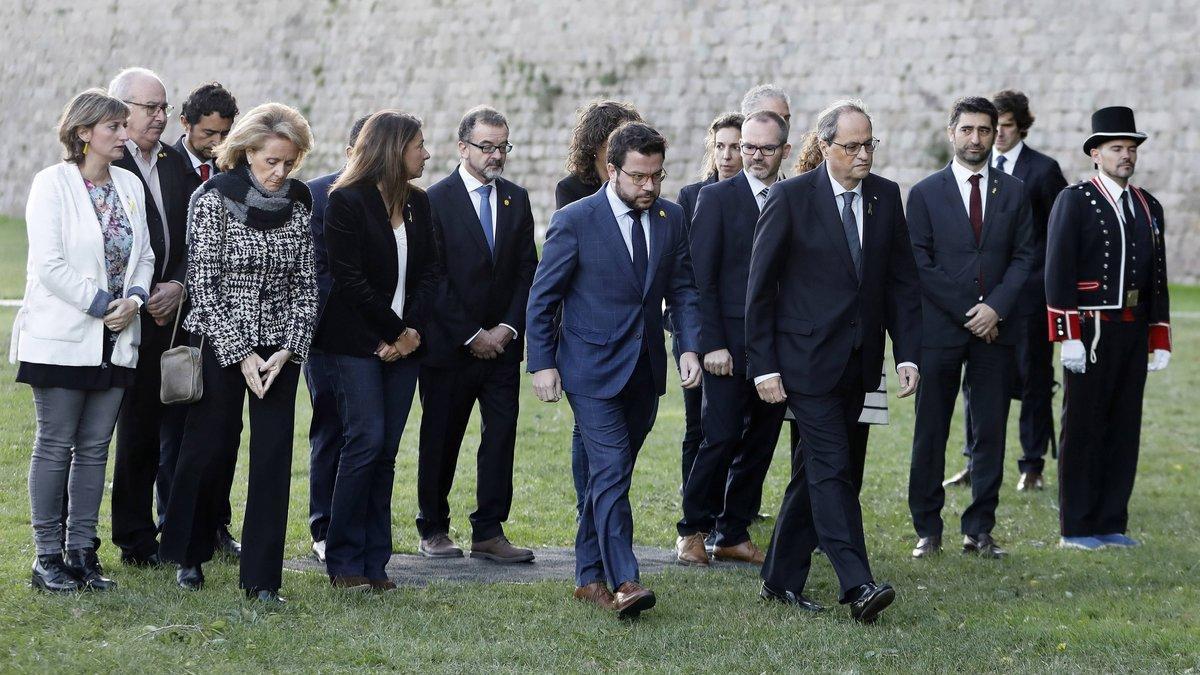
(476,340)
(740,430)
(147,429)
(609,262)
(1108,303)
(830,270)
(972,237)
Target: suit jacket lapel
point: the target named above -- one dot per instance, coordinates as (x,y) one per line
(603,214)
(659,227)
(954,202)
(465,205)
(994,198)
(829,216)
(1023,164)
(746,201)
(870,238)
(504,215)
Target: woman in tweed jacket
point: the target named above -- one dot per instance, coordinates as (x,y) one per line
(254,303)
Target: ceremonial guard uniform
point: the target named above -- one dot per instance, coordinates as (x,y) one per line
(1106,287)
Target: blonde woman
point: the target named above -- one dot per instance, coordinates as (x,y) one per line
(76,334)
(254,303)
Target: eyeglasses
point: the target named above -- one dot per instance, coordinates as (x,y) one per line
(853,148)
(750,150)
(488,148)
(639,179)
(153,108)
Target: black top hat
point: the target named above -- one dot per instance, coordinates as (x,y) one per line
(1109,123)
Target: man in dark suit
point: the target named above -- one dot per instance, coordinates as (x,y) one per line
(206,117)
(147,429)
(609,262)
(476,339)
(740,430)
(325,428)
(1034,353)
(972,236)
(831,269)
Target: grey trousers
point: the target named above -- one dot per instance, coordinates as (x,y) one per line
(74,428)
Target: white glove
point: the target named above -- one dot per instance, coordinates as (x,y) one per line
(1158,360)
(1073,356)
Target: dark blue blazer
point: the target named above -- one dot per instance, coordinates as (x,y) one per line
(951,264)
(319,187)
(688,196)
(480,289)
(722,240)
(804,301)
(1043,180)
(606,316)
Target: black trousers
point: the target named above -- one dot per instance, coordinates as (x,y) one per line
(1034,385)
(147,432)
(447,397)
(740,432)
(324,440)
(1101,432)
(988,373)
(820,505)
(213,433)
(860,435)
(692,434)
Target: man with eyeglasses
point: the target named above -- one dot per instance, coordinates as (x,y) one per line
(831,268)
(609,262)
(739,429)
(476,340)
(147,429)
(972,236)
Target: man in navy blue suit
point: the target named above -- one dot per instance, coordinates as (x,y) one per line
(830,270)
(740,430)
(972,236)
(609,262)
(325,430)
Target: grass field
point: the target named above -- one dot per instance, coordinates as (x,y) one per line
(1041,610)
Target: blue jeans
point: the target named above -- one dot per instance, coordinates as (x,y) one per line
(324,439)
(373,403)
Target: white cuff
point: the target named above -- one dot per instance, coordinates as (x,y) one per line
(763,378)
(910,364)
(514,331)
(468,342)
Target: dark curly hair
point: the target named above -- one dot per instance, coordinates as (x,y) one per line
(1017,103)
(207,99)
(595,123)
(726,120)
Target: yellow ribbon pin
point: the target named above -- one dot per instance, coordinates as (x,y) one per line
(506,201)
(662,214)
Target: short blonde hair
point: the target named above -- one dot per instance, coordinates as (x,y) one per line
(257,127)
(86,110)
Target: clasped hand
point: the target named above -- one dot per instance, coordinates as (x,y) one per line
(983,322)
(259,374)
(490,343)
(406,344)
(120,313)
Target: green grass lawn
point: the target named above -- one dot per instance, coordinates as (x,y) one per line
(1041,610)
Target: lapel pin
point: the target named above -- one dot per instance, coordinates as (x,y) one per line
(662,214)
(506,201)
(871,209)
(162,155)
(993,190)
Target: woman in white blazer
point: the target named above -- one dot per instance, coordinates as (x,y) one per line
(76,334)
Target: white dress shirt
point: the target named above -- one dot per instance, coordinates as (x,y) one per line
(1010,157)
(962,176)
(401,235)
(472,184)
(1116,191)
(625,221)
(756,188)
(196,161)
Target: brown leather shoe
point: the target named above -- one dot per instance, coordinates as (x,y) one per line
(744,552)
(350,583)
(382,585)
(596,593)
(499,549)
(1030,480)
(439,546)
(690,550)
(960,479)
(632,599)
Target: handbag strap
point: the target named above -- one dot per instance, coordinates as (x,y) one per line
(179,309)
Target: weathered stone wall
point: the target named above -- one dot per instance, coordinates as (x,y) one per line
(680,62)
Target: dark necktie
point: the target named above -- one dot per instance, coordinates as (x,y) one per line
(1130,219)
(204,169)
(850,225)
(762,200)
(485,215)
(637,238)
(1000,162)
(976,211)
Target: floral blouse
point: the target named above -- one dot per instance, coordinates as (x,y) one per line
(117,233)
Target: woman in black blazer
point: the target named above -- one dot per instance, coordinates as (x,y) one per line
(384,262)
(587,156)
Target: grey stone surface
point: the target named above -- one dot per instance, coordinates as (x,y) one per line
(680,61)
(555,564)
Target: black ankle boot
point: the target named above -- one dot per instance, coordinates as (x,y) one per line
(86,565)
(51,573)
(266,596)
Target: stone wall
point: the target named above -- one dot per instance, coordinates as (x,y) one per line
(680,62)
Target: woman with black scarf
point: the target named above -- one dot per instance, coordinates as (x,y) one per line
(253,296)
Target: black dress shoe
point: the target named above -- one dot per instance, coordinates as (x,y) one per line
(86,566)
(960,479)
(227,545)
(871,600)
(136,560)
(51,573)
(190,578)
(266,596)
(773,594)
(983,546)
(927,546)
